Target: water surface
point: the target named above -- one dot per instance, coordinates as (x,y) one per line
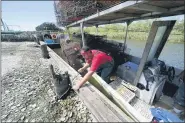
(172,53)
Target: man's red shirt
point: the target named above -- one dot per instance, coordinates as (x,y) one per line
(98,59)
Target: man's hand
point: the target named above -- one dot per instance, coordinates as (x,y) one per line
(76,87)
(83,80)
(80,70)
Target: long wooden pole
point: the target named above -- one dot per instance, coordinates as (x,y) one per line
(117,98)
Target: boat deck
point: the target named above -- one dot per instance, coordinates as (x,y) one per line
(130,96)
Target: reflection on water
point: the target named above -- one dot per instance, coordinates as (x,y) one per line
(172,54)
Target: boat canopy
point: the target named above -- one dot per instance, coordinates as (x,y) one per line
(133,10)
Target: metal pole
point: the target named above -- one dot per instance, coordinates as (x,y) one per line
(128,23)
(82,33)
(96,29)
(68,32)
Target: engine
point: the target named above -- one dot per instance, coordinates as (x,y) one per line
(152,79)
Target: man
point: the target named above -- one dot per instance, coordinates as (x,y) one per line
(99,61)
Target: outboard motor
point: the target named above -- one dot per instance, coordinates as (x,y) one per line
(152,81)
(152,70)
(61,83)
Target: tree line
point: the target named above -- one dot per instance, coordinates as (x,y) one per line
(137,30)
(47,26)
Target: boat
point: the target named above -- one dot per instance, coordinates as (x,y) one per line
(139,83)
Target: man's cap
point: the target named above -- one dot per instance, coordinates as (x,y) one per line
(84,50)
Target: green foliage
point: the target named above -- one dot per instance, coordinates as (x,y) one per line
(179,26)
(138,31)
(90,29)
(74,29)
(47,26)
(143,25)
(176,38)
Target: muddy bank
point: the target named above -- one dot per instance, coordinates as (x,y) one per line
(27,90)
(10,56)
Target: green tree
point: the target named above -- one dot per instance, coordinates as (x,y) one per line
(47,26)
(73,29)
(138,30)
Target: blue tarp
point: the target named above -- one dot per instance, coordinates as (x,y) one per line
(49,41)
(133,66)
(166,116)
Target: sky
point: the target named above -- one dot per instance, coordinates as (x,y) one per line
(26,15)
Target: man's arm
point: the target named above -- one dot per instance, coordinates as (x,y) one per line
(83,68)
(83,80)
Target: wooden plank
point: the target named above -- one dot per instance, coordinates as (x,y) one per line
(102,109)
(103,113)
(114,108)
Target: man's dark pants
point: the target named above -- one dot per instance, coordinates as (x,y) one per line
(105,70)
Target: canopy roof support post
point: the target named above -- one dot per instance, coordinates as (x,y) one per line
(68,32)
(82,33)
(128,23)
(96,29)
